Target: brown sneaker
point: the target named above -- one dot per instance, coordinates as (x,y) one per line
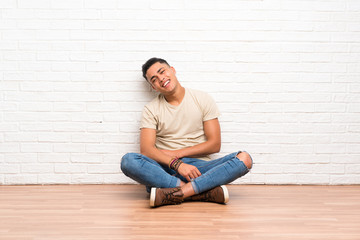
(165,196)
(218,194)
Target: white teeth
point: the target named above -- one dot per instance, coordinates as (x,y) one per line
(166,83)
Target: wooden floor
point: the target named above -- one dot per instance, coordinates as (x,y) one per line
(122,212)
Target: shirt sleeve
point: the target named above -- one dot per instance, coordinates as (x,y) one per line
(148,119)
(210,109)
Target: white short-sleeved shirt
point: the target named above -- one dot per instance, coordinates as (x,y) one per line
(180,126)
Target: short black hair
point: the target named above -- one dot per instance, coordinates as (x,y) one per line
(151,62)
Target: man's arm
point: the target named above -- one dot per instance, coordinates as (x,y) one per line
(147,148)
(212,144)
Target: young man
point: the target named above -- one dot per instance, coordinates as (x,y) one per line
(179,129)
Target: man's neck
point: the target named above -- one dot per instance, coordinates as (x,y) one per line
(177,97)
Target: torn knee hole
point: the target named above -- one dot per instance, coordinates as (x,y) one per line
(246,159)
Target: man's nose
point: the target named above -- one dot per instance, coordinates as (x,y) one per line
(162,78)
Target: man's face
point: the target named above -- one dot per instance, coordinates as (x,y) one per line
(162,78)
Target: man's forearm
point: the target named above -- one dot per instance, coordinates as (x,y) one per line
(157,155)
(198,150)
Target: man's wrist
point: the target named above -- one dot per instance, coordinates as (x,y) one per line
(175,163)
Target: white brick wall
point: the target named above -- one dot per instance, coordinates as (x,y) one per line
(285,74)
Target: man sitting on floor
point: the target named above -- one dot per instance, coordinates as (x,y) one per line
(179,129)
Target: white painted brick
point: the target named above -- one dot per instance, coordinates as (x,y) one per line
(34,4)
(84,76)
(36,147)
(69,148)
(69,107)
(315,98)
(70,168)
(54,157)
(84,97)
(352,169)
(113,158)
(111,4)
(86,138)
(20,117)
(9,168)
(102,127)
(354,148)
(19,76)
(87,117)
(88,57)
(330,107)
(118,178)
(35,127)
(54,137)
(35,107)
(36,86)
(17,13)
(104,168)
(8,106)
(313,179)
(88,158)
(67,4)
(67,66)
(52,35)
(9,66)
(298,107)
(315,117)
(68,45)
(87,178)
(128,138)
(20,158)
(344,179)
(16,179)
(20,137)
(53,56)
(69,127)
(84,35)
(53,117)
(8,4)
(103,107)
(102,148)
(9,147)
(37,168)
(47,178)
(354,128)
(16,56)
(285,76)
(19,34)
(332,148)
(281,178)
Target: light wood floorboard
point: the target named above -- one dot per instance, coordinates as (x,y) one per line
(122,212)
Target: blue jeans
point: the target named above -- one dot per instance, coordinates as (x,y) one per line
(213,173)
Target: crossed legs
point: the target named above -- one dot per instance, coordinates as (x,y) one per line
(187,188)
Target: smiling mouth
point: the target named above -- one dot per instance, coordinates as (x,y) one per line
(166,83)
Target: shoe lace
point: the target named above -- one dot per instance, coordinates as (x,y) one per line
(170,198)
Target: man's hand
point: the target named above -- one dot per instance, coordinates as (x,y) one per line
(188,171)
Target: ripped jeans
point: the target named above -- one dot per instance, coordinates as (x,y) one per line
(213,173)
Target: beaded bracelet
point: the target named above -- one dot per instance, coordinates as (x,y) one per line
(172,161)
(175,163)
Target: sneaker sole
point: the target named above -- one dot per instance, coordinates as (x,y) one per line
(226,193)
(152,197)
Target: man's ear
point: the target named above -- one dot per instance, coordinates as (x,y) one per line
(173,69)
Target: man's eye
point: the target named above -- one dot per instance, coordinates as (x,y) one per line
(162,71)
